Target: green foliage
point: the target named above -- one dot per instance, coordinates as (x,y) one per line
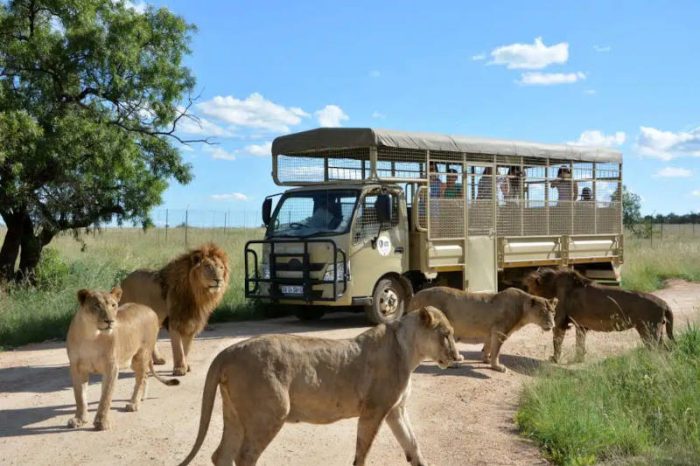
(52,272)
(642,406)
(90,95)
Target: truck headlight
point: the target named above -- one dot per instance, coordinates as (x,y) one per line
(330,271)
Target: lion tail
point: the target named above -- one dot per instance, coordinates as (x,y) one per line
(160,379)
(668,314)
(212,382)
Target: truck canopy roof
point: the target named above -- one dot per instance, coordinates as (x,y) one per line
(323,139)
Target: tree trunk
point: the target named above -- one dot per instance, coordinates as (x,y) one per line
(10,246)
(32,245)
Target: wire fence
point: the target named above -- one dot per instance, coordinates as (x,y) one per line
(658,232)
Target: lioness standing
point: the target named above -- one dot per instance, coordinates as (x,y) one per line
(488,318)
(102,339)
(269,380)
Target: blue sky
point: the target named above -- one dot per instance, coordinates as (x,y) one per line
(620,74)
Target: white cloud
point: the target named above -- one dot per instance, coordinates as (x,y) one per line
(253,112)
(696,192)
(185,148)
(479,57)
(533,56)
(259,150)
(590,92)
(378,115)
(331,116)
(219,153)
(548,79)
(230,197)
(595,138)
(202,127)
(673,172)
(375,74)
(666,145)
(602,48)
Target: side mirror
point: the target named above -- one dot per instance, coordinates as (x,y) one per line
(383,207)
(267,210)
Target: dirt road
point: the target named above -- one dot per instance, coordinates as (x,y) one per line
(461,416)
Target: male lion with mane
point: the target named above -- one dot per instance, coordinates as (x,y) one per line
(590,306)
(268,380)
(488,318)
(185,292)
(102,339)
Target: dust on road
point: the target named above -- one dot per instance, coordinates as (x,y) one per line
(461,416)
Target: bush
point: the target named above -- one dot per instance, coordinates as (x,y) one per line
(643,405)
(52,272)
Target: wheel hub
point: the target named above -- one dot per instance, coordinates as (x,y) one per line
(388,302)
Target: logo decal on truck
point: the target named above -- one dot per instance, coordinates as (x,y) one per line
(384,245)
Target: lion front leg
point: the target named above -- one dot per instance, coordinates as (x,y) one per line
(580,344)
(109,378)
(497,339)
(80,383)
(179,359)
(400,425)
(557,341)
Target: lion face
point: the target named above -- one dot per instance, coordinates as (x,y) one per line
(437,340)
(542,283)
(541,311)
(209,273)
(100,307)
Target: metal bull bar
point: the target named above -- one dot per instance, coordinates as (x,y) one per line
(253,281)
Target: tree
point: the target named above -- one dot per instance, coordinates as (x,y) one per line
(631,208)
(91,92)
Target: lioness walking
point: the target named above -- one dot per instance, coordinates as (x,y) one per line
(102,339)
(269,380)
(590,306)
(488,318)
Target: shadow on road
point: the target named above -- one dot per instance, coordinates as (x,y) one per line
(475,368)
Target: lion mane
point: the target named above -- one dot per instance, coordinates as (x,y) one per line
(189,302)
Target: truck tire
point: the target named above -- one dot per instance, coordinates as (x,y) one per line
(388,302)
(307,313)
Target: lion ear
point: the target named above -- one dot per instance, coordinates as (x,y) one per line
(196,258)
(116,293)
(554,302)
(83,295)
(426,318)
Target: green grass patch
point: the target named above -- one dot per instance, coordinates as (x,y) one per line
(42,313)
(639,408)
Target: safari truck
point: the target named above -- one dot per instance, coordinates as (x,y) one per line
(371,216)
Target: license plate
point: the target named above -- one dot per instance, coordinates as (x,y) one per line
(292,289)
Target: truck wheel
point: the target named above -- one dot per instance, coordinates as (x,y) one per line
(307,313)
(388,302)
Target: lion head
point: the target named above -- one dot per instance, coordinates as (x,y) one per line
(549,283)
(100,307)
(195,282)
(541,311)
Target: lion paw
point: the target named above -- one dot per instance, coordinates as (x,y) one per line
(76,422)
(499,368)
(554,359)
(158,361)
(102,424)
(132,407)
(178,371)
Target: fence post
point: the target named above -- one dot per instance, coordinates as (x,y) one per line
(244,227)
(187,214)
(225,218)
(166,225)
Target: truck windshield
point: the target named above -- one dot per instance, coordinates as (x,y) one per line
(313,213)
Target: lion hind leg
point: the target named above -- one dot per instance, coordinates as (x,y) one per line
(497,339)
(400,425)
(232,436)
(140,367)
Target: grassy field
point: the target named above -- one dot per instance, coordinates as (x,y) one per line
(639,408)
(101,260)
